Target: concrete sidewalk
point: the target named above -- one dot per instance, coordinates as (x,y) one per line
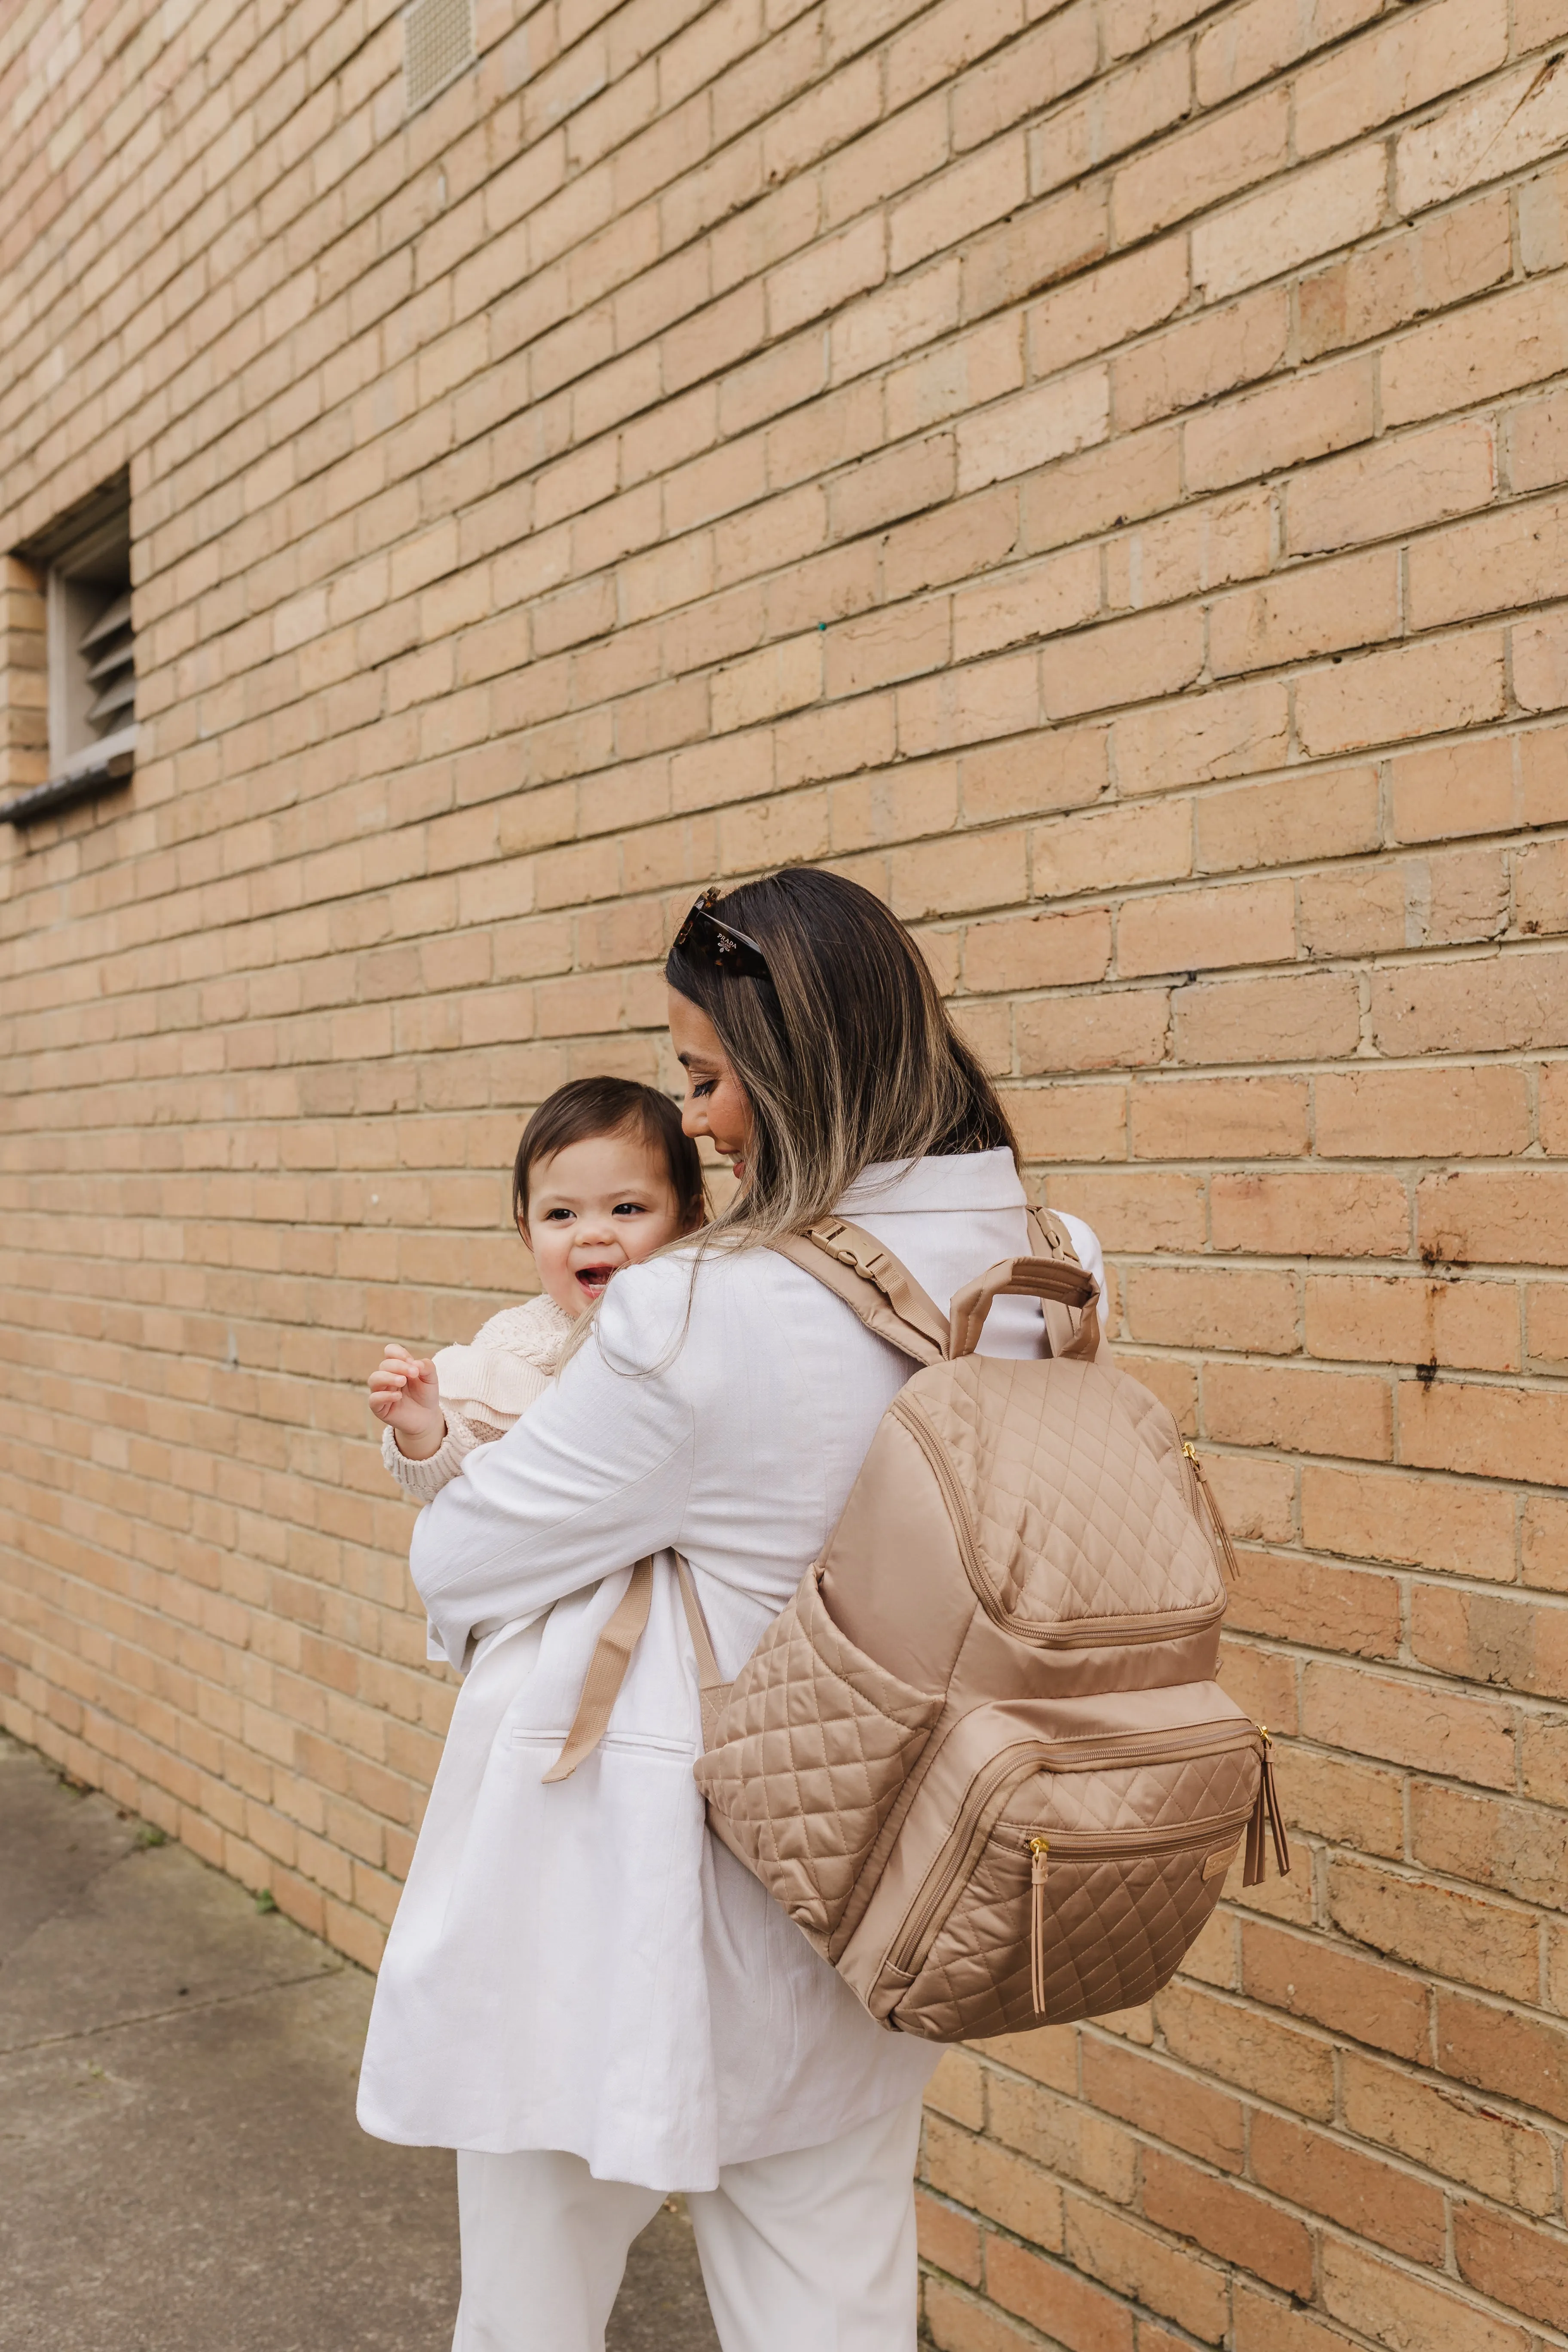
(180,2166)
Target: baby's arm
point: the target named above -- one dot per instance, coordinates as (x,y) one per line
(425,1439)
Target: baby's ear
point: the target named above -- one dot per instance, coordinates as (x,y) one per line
(523,1230)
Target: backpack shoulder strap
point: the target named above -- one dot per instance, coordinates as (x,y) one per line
(873,1285)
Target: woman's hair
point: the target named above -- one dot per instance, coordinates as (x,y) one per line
(591,1107)
(845,1051)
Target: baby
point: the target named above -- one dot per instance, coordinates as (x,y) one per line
(604,1176)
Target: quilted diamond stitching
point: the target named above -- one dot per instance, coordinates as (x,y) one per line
(817,1742)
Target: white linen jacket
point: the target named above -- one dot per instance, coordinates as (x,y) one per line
(580,1967)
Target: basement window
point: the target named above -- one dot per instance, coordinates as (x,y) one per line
(81,568)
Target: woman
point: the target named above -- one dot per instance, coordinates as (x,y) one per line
(584,1994)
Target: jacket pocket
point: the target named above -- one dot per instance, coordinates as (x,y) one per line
(638,1743)
(807,1760)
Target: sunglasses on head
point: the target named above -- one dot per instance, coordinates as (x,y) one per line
(706,940)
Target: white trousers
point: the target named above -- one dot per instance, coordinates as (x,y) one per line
(811,2251)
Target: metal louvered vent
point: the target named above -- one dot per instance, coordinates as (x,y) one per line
(110,651)
(84,560)
(437,46)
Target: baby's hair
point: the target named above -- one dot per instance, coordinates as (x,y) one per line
(591,1107)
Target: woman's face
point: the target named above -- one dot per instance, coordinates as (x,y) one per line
(714,1105)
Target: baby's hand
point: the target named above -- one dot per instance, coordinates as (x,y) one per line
(406,1395)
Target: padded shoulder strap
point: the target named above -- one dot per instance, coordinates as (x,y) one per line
(872,1284)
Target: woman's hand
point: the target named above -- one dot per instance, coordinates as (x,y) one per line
(405,1394)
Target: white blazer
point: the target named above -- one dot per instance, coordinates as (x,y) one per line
(580,1967)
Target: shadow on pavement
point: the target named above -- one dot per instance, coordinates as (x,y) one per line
(180,2166)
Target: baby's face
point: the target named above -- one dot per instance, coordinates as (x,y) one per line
(592,1208)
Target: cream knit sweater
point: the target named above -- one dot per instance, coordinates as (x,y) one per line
(485,1387)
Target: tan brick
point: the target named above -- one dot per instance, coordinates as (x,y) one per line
(1511,338)
(1391,71)
(994,2182)
(1439,262)
(1514,122)
(1199,358)
(1539,651)
(1258,40)
(1185,173)
(1385,697)
(947,2239)
(1312,1212)
(1063,768)
(1150,842)
(1315,1016)
(1421,1522)
(1298,1410)
(1375,2201)
(958,2324)
(1088,670)
(1034,248)
(968,196)
(1016,435)
(1173,2106)
(1064,1122)
(1488,1945)
(1203,1307)
(1388,2304)
(1219,1118)
(1132,2261)
(1441,2129)
(1229,2221)
(1263,2324)
(1284,425)
(1381,1319)
(1280,823)
(1068,2138)
(1448,1112)
(1037,950)
(1537,443)
(1516,1848)
(1204,737)
(1110,1030)
(1505,1216)
(1492,565)
(1036,601)
(1206,929)
(1310,213)
(1311,612)
(1253,2050)
(1523,2057)
(1152,1210)
(1333,1985)
(1107,306)
(1524,2269)
(1415,1724)
(1052,2297)
(949,877)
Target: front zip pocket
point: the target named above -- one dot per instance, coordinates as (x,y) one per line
(1031,1910)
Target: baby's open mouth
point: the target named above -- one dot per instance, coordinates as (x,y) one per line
(593,1280)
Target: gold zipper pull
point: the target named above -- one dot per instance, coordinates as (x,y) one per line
(1227,1549)
(1039,1848)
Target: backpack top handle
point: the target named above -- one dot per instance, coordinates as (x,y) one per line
(887,1299)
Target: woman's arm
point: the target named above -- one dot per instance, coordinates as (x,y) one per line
(593,1478)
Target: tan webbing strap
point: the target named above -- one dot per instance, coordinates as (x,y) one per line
(1079,1338)
(606,1672)
(870,1281)
(1019,1277)
(712,1689)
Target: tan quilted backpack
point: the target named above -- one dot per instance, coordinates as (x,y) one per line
(981,1758)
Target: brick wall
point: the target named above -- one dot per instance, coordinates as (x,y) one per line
(1097,474)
